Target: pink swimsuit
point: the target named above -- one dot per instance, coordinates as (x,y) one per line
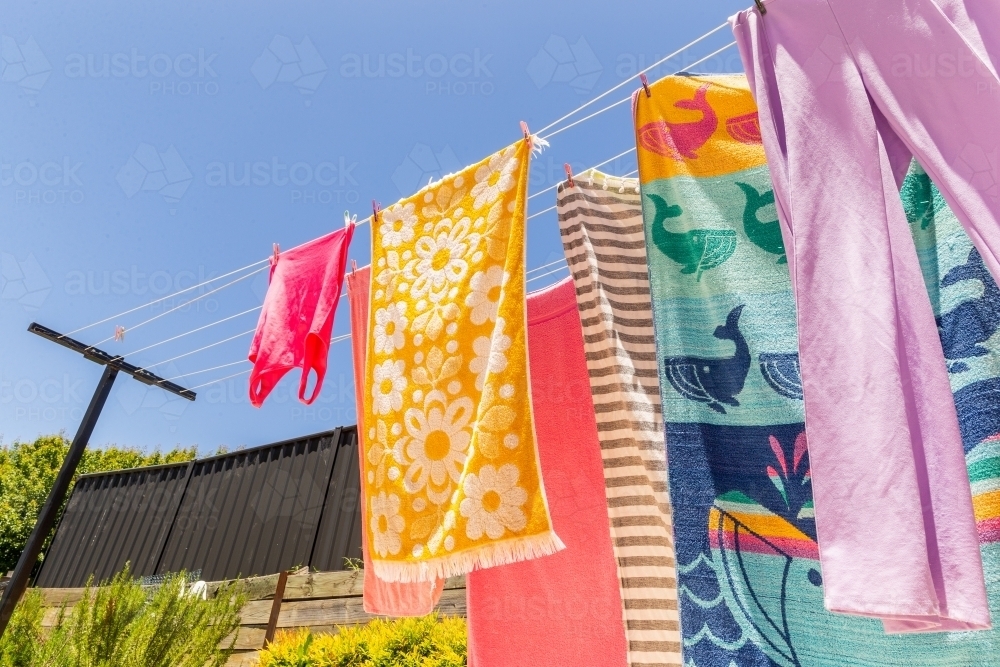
(297,317)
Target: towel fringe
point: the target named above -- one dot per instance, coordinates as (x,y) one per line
(538,145)
(479,558)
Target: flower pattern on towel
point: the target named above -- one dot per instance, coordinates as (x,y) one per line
(495,177)
(493,502)
(387,388)
(389,327)
(439,440)
(387,524)
(447,370)
(397,225)
(485,296)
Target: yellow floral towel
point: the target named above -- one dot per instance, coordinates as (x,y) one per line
(452,468)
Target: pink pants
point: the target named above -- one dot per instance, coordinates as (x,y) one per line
(847,91)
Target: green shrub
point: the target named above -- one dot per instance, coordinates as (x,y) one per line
(24,632)
(430,641)
(28,471)
(123,624)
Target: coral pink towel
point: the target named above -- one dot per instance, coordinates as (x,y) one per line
(563,609)
(297,318)
(380,597)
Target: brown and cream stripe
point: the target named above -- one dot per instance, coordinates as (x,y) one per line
(600,220)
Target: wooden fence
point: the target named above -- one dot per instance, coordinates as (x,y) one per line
(320,601)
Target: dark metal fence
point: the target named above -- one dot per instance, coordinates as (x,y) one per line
(251,512)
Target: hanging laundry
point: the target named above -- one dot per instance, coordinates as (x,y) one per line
(379,597)
(453,482)
(565,609)
(600,221)
(872,365)
(297,317)
(740,480)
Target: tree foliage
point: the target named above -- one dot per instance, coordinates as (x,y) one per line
(28,471)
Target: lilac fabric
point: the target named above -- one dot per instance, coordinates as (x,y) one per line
(847,91)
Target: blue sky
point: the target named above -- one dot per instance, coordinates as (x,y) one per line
(126,129)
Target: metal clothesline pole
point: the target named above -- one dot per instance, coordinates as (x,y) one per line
(47,517)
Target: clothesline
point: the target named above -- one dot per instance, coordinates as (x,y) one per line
(183,305)
(629,98)
(368,219)
(529,272)
(547,127)
(186,303)
(335,339)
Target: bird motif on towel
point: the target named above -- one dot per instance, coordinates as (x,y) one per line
(764,235)
(680,140)
(714,381)
(697,250)
(972,322)
(781,372)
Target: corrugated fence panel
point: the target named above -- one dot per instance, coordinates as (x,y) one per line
(111,519)
(339,534)
(252,512)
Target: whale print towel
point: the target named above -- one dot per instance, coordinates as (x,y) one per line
(600,221)
(750,582)
(451,463)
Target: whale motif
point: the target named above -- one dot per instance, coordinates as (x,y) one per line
(718,381)
(921,200)
(697,250)
(764,235)
(681,140)
(781,372)
(745,129)
(973,322)
(758,557)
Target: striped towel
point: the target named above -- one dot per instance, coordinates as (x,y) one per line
(601,226)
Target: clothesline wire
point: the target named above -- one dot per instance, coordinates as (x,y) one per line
(334,340)
(210,324)
(183,305)
(188,354)
(164,298)
(368,219)
(628,175)
(633,77)
(596,166)
(343,294)
(205,370)
(629,98)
